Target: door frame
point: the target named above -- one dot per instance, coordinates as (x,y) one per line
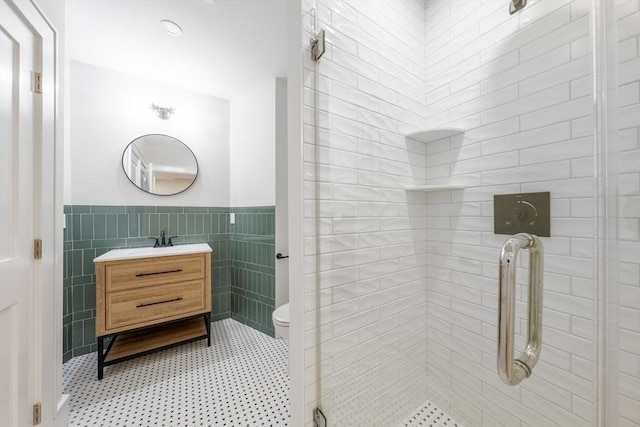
(48,224)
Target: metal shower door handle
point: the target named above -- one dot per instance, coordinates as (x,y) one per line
(511,370)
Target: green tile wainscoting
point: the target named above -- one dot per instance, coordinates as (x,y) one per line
(93,230)
(253,267)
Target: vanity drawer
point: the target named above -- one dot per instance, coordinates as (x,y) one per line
(143,306)
(152,271)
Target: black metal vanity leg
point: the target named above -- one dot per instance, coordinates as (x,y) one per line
(100,357)
(207,320)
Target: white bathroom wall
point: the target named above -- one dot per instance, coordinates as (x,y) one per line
(107,110)
(626,17)
(364,237)
(521,87)
(253,145)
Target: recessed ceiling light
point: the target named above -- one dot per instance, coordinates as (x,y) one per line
(171,27)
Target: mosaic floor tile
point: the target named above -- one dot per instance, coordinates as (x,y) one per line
(240,381)
(429,415)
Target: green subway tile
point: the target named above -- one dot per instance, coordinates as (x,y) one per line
(109,243)
(77,298)
(200,223)
(214,225)
(80,209)
(112,226)
(182,225)
(77,333)
(268,270)
(223,223)
(144,225)
(170,209)
(89,327)
(81,315)
(154,225)
(67,234)
(172,228)
(134,225)
(206,223)
(163,222)
(101,251)
(87,261)
(142,209)
(76,263)
(254,224)
(76,229)
(218,210)
(266,300)
(82,280)
(90,296)
(123,225)
(196,209)
(79,351)
(81,244)
(137,242)
(99,226)
(191,224)
(108,209)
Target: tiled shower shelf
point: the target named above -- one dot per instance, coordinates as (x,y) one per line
(434,134)
(435,187)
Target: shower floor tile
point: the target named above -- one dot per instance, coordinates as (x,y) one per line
(241,380)
(429,415)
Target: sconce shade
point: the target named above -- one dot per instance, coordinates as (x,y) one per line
(163,112)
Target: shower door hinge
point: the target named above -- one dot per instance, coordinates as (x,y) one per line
(319,420)
(37,414)
(516,5)
(37,249)
(37,82)
(317,46)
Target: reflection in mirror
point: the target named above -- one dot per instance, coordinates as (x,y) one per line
(160,164)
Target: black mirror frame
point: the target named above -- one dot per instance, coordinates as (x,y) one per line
(168,136)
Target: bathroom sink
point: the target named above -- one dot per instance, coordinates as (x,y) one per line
(132,253)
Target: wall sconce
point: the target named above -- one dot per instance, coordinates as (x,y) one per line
(163,112)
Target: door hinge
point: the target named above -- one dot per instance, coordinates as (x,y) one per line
(37,249)
(319,420)
(37,86)
(37,414)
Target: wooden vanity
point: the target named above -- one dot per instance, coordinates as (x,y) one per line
(149,299)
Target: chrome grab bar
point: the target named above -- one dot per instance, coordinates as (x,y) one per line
(511,370)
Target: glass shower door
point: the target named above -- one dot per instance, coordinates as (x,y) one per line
(416,116)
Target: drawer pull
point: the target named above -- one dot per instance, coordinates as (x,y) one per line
(159,302)
(159,272)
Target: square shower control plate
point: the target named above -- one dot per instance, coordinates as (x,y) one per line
(522,213)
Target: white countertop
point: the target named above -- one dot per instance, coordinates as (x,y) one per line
(133,253)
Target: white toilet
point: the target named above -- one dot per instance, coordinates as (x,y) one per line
(280,319)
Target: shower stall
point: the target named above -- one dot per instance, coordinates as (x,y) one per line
(418,113)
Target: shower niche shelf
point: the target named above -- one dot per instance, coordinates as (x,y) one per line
(429,135)
(434,134)
(433,187)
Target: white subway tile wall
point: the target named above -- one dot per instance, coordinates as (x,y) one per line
(402,285)
(525,80)
(365,236)
(627,17)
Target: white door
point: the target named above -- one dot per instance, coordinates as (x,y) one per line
(17,53)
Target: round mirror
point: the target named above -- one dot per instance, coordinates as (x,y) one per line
(160,164)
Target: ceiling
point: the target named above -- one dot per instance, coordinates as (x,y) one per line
(225,46)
